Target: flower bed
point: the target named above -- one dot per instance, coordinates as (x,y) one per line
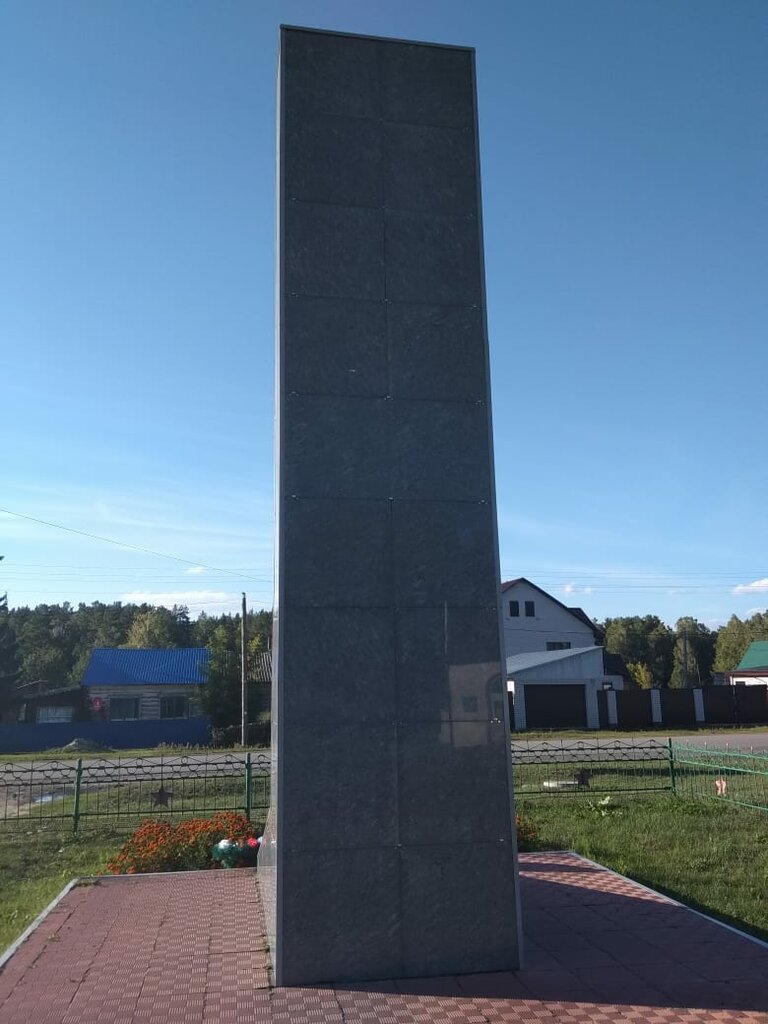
(186,846)
(225,840)
(526,833)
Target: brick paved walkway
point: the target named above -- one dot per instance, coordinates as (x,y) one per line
(185,948)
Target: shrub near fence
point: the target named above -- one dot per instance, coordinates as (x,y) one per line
(120,793)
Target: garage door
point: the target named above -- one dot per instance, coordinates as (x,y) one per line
(555,706)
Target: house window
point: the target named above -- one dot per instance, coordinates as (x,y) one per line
(123,709)
(514,609)
(173,707)
(52,713)
(558,645)
(530,609)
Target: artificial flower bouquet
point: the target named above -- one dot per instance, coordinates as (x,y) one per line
(230,853)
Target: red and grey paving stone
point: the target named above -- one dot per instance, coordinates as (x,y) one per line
(189,948)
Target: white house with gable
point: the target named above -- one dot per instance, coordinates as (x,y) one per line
(536,621)
(557,672)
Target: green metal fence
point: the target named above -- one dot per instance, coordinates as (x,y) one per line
(551,768)
(732,776)
(120,792)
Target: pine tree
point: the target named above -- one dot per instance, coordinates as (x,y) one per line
(9,662)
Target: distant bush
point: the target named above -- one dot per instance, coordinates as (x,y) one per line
(259,733)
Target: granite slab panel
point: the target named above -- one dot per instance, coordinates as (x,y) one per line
(437,352)
(432,258)
(427,85)
(328,74)
(355,447)
(336,346)
(337,447)
(453,782)
(350,676)
(361,941)
(443,553)
(429,169)
(341,553)
(339,786)
(474,930)
(390,700)
(331,159)
(335,251)
(437,448)
(448,664)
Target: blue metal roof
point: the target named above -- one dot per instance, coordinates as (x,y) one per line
(138,666)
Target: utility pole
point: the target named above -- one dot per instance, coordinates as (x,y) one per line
(243,681)
(685,657)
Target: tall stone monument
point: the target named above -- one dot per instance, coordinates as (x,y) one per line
(390,848)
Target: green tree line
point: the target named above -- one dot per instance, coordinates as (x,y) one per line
(688,654)
(51,643)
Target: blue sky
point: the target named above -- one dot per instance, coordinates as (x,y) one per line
(625,166)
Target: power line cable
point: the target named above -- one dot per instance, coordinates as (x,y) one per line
(122,544)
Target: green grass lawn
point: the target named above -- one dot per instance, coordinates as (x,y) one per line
(38,859)
(37,865)
(39,855)
(602,776)
(709,855)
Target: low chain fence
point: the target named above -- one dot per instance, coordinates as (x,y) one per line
(120,792)
(551,768)
(732,776)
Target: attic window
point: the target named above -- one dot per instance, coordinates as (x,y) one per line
(530,609)
(514,609)
(558,645)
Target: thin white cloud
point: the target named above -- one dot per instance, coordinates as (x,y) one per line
(195,600)
(757,587)
(570,589)
(195,570)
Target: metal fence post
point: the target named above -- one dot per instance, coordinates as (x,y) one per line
(248,785)
(671,755)
(76,811)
